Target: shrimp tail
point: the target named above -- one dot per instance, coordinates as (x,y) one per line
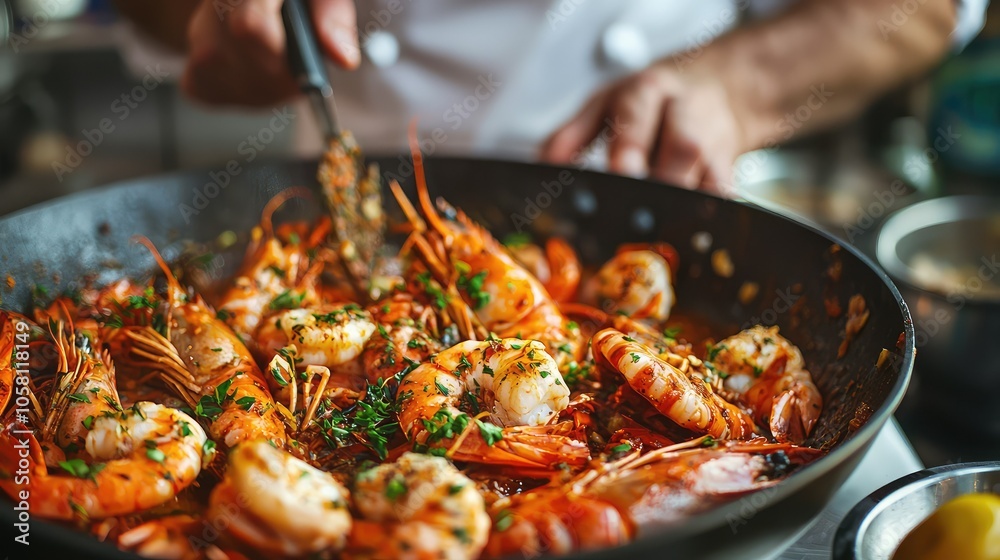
(566,270)
(794,412)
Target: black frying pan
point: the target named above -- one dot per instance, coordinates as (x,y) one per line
(58,244)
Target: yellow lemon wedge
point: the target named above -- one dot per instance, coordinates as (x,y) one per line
(966,527)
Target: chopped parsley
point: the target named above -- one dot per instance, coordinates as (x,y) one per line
(712,351)
(517,239)
(287,300)
(246,403)
(444,390)
(80,469)
(210,406)
(438,297)
(370,421)
(473,286)
(143,301)
(491,432)
(395,488)
(503,521)
(622,448)
(155,455)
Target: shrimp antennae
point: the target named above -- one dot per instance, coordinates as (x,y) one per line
(174,292)
(276,202)
(418,172)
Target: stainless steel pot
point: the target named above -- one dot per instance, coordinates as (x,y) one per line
(944,254)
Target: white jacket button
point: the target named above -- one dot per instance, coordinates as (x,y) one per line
(625,46)
(382,48)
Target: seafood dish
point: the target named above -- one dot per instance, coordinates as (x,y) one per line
(453,396)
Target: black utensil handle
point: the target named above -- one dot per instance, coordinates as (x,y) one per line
(303,51)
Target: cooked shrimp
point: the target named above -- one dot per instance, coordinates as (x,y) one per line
(557,268)
(326,336)
(554,521)
(670,484)
(280,504)
(418,507)
(206,363)
(505,298)
(637,283)
(395,348)
(173,537)
(85,391)
(270,270)
(513,382)
(683,397)
(766,373)
(151,453)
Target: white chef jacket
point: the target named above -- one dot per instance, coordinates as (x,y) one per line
(497,77)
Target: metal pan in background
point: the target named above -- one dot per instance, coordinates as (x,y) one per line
(875,527)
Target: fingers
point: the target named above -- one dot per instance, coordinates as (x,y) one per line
(337,31)
(678,161)
(565,143)
(639,106)
(238,54)
(256,28)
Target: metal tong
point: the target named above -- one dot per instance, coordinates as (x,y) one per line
(307,65)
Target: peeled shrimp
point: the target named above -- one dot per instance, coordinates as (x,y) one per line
(684,398)
(281,504)
(637,283)
(766,372)
(515,383)
(418,507)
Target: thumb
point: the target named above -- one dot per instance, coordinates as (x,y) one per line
(337,31)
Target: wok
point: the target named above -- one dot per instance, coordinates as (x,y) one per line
(60,243)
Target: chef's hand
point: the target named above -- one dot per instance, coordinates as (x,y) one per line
(685,119)
(237,49)
(664,122)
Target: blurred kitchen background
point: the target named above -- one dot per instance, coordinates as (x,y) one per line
(63,71)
